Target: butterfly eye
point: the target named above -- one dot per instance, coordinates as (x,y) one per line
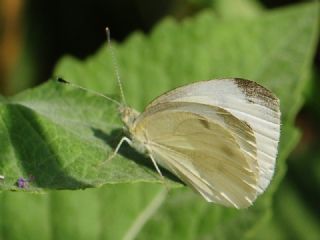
(128,116)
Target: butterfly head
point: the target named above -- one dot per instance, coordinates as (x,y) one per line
(128,116)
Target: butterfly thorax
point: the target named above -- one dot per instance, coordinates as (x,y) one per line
(129,116)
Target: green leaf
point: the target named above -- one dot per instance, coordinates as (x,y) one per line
(237,8)
(292,218)
(60,135)
(105,213)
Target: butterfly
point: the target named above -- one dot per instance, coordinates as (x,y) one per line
(220,137)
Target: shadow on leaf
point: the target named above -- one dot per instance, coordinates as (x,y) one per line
(36,155)
(128,152)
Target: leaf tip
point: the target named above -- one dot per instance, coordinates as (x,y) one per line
(61,80)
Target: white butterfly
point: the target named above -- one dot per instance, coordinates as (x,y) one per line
(219,136)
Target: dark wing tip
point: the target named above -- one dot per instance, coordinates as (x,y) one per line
(253,88)
(254,91)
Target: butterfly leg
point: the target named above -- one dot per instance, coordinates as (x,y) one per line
(158,170)
(123,139)
(156,166)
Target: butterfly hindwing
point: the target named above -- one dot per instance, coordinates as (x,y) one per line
(247,101)
(206,146)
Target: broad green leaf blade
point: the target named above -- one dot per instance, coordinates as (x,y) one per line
(60,137)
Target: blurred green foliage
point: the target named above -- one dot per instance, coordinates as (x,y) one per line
(48,131)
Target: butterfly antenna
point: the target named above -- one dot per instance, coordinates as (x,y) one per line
(60,80)
(115,65)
